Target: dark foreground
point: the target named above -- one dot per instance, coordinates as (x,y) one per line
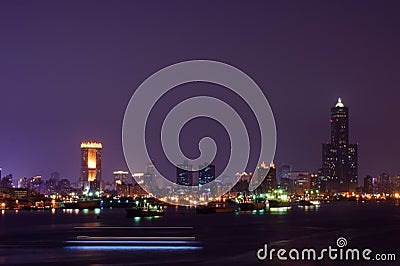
(28,237)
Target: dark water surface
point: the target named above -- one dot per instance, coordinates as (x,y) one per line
(39,237)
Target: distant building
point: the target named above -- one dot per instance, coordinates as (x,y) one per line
(121,183)
(339,157)
(270,182)
(384,184)
(109,187)
(64,187)
(51,186)
(206,173)
(184,174)
(284,172)
(37,184)
(244,176)
(91,171)
(138,190)
(6,182)
(22,182)
(299,182)
(368,185)
(55,176)
(395,183)
(242,186)
(121,177)
(314,182)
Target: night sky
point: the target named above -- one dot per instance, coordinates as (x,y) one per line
(69,68)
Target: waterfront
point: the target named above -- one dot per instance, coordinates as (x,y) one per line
(38,237)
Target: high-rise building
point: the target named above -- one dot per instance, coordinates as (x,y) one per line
(206,173)
(37,184)
(284,172)
(184,174)
(368,184)
(64,187)
(121,177)
(90,178)
(6,182)
(22,182)
(51,186)
(55,176)
(121,182)
(269,173)
(299,181)
(339,157)
(384,184)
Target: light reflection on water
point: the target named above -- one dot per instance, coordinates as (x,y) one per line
(279,210)
(155,248)
(98,211)
(215,231)
(310,208)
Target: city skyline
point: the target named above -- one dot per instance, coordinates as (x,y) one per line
(303,58)
(337,136)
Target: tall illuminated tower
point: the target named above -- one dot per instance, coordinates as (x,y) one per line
(90,166)
(339,157)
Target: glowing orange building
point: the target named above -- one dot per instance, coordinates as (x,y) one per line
(90,166)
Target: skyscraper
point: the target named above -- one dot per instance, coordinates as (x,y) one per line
(184,174)
(90,177)
(339,157)
(206,173)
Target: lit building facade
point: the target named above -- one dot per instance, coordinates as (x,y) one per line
(184,174)
(121,183)
(339,157)
(298,182)
(206,174)
(90,178)
(22,182)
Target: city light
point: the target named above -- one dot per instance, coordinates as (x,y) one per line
(91,144)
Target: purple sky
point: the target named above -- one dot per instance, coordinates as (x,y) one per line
(68,69)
